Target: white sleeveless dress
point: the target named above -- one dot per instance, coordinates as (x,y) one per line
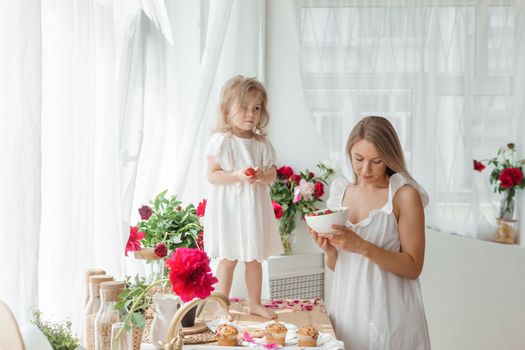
(371,308)
(239,223)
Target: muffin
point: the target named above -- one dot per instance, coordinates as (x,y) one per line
(227,335)
(276,333)
(307,336)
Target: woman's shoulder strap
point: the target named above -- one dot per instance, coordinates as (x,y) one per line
(337,191)
(399,180)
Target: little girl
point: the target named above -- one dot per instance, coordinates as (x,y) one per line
(240,223)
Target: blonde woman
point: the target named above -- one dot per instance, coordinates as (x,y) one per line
(378,255)
(239,222)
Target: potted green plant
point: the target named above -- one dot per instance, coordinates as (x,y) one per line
(164,226)
(133,303)
(58,334)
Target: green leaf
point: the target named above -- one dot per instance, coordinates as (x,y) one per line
(138,320)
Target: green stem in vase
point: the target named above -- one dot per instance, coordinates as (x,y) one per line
(128,320)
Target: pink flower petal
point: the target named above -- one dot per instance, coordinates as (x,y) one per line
(247,337)
(270,346)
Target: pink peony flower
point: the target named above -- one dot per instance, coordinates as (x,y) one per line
(190,274)
(307,190)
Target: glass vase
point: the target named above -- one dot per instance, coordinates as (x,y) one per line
(120,337)
(507,231)
(287,244)
(506,208)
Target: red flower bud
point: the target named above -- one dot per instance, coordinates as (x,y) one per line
(277,209)
(319,189)
(161,250)
(478,166)
(201,208)
(145,212)
(295,178)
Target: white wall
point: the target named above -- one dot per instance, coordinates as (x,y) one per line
(474,293)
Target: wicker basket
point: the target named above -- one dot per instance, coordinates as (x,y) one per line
(137,338)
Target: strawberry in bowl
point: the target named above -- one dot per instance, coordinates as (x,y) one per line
(321,221)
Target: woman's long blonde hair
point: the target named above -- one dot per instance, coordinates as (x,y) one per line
(234,93)
(380,132)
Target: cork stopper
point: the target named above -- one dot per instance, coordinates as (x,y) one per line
(110,290)
(92,272)
(98,279)
(88,273)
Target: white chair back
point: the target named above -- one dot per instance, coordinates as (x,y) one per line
(10,338)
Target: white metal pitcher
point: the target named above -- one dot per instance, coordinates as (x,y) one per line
(167,306)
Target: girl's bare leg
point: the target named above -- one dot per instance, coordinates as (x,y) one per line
(253,276)
(225,276)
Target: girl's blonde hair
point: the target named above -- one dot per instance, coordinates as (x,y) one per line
(380,132)
(234,93)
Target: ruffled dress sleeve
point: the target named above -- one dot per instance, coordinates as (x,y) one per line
(220,148)
(398,180)
(269,158)
(337,191)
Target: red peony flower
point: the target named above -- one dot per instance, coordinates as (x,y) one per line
(134,239)
(277,209)
(318,189)
(145,212)
(295,178)
(200,240)
(311,175)
(510,177)
(190,274)
(284,172)
(478,166)
(161,250)
(201,208)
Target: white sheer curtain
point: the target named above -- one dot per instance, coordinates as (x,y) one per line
(129,96)
(446,74)
(20,124)
(235,44)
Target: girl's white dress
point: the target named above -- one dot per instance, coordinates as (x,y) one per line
(370,307)
(239,223)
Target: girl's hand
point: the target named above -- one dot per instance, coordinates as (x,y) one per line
(245,175)
(259,174)
(323,243)
(347,239)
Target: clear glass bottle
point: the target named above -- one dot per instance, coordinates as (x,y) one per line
(107,314)
(124,341)
(89,273)
(91,309)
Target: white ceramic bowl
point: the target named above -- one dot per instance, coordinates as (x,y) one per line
(323,223)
